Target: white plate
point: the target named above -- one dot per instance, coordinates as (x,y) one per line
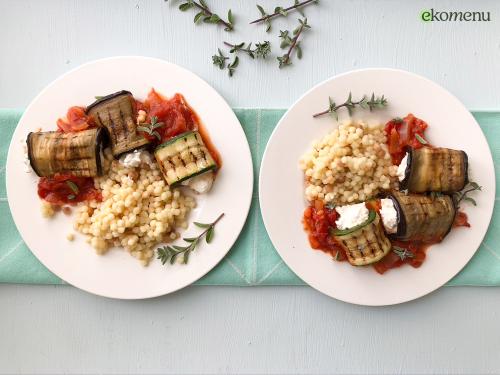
(117,274)
(281,185)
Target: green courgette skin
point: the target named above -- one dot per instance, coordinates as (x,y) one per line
(364,244)
(344,232)
(183,157)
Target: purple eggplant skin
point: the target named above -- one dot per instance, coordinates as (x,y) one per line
(117,113)
(105,99)
(423,218)
(76,153)
(416,170)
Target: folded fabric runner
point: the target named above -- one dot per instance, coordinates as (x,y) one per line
(253,259)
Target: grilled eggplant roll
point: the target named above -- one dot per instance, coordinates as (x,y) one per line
(435,169)
(184,157)
(366,243)
(80,153)
(423,218)
(116,112)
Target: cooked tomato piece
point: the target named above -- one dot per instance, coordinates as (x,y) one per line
(76,120)
(461,220)
(175,113)
(67,189)
(318,221)
(403,133)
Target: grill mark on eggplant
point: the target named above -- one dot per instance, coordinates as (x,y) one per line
(56,152)
(436,169)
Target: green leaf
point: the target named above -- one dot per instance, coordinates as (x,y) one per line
(185,258)
(420,139)
(299,51)
(198,17)
(268,26)
(210,235)
(214,18)
(98,97)
(201,225)
(471,200)
(144,129)
(185,6)
(261,10)
(474,185)
(190,239)
(203,3)
(235,62)
(230,17)
(179,248)
(74,187)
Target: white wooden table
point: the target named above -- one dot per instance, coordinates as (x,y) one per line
(248,330)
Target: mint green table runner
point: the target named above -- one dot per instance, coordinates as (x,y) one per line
(253,259)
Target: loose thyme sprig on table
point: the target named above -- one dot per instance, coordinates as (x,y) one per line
(170,253)
(280,11)
(261,50)
(292,43)
(151,127)
(374,102)
(206,15)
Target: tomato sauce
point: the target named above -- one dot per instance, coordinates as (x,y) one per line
(319,222)
(67,189)
(404,133)
(76,120)
(177,116)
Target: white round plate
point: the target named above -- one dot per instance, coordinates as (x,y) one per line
(117,274)
(281,187)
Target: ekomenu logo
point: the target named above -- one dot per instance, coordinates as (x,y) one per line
(431,15)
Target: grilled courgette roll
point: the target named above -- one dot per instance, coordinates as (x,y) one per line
(79,153)
(424,218)
(365,243)
(183,158)
(434,169)
(116,112)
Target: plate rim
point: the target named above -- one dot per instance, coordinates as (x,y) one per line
(61,77)
(273,135)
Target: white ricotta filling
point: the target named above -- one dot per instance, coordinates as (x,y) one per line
(135,158)
(389,215)
(351,215)
(402,168)
(26,160)
(201,183)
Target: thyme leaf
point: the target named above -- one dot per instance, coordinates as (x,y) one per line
(402,253)
(150,128)
(292,43)
(206,15)
(463,195)
(374,102)
(281,11)
(170,253)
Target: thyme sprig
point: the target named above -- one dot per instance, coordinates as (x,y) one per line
(374,102)
(151,127)
(463,195)
(206,15)
(281,11)
(170,253)
(261,50)
(292,43)
(402,253)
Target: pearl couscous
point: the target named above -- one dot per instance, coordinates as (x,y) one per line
(138,211)
(350,164)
